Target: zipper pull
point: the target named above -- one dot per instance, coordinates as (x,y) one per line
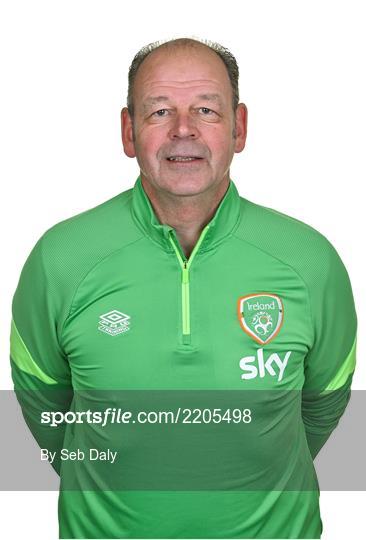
(185,272)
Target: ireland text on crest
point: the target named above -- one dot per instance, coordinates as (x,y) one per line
(260,316)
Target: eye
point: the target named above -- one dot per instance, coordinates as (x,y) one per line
(206,110)
(159,111)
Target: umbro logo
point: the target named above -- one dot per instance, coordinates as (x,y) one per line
(114,322)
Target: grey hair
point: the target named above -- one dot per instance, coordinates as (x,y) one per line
(226,56)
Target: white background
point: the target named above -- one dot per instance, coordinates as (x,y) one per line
(64,80)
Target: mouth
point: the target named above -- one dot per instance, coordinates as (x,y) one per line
(184,159)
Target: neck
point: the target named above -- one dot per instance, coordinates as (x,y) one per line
(187,214)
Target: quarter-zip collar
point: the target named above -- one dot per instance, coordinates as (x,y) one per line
(222,224)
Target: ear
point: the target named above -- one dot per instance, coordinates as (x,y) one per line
(127,133)
(241,122)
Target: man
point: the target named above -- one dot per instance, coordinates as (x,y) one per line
(180,284)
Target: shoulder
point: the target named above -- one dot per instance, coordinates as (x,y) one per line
(92,233)
(94,225)
(65,252)
(294,242)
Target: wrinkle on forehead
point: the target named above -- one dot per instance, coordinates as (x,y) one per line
(162,87)
(207,96)
(193,82)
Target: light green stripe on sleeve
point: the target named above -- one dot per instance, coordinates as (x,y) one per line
(345,371)
(22,357)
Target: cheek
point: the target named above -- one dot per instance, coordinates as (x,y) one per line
(220,144)
(149,143)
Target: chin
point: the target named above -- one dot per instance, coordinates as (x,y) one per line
(185,184)
(186,188)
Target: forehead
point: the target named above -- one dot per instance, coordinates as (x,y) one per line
(185,73)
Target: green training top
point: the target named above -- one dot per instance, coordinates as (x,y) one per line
(260,319)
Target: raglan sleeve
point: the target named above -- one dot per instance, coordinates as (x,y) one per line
(39,367)
(330,363)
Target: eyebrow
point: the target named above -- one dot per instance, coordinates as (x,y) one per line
(158,99)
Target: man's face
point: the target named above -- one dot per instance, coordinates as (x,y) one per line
(183,109)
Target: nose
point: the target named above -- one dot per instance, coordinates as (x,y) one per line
(183,126)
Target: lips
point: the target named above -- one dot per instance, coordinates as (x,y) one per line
(183,158)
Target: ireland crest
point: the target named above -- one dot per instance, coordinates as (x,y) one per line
(260,316)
